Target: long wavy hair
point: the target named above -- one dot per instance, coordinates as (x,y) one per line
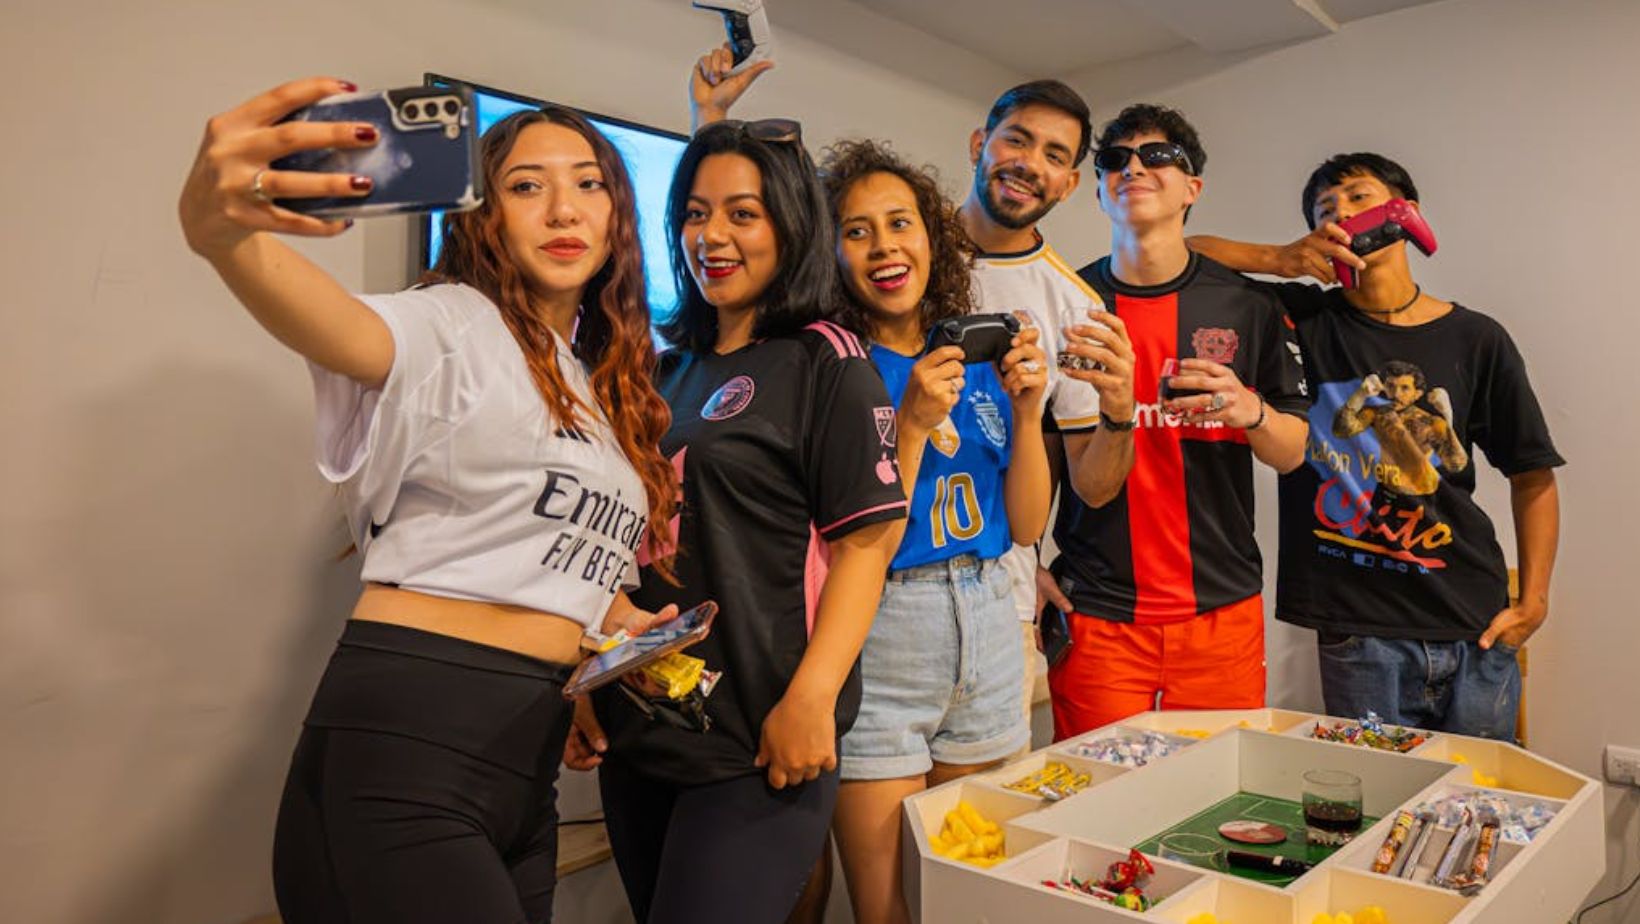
(612,335)
(951,253)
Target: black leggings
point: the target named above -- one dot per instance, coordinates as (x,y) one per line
(422,789)
(729,851)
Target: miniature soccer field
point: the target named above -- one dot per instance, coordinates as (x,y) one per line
(1249,764)
(1245,805)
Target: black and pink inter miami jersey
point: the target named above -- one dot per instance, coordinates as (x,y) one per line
(783,445)
(1178,540)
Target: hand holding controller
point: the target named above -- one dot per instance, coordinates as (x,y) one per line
(1379,227)
(750,39)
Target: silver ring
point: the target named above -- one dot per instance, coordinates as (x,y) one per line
(1031,365)
(1218,401)
(956,388)
(256,188)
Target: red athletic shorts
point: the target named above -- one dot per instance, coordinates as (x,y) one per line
(1115,669)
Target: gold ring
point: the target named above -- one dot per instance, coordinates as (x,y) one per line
(257,192)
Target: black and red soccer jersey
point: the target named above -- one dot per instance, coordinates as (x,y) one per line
(1177,541)
(782,446)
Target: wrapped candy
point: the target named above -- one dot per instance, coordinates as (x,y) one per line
(1053,782)
(677,672)
(1518,822)
(1369,732)
(1123,885)
(1127,751)
(1136,870)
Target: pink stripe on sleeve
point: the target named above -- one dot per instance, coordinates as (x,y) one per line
(844,342)
(900,504)
(815,566)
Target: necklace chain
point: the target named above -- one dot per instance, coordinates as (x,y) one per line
(1417,291)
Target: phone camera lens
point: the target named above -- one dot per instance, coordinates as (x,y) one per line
(451,107)
(411,111)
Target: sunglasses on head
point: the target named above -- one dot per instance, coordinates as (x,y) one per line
(1152,154)
(775,131)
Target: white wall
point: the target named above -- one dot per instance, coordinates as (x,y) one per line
(1520,121)
(168,593)
(168,583)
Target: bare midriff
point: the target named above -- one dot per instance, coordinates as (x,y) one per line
(544,636)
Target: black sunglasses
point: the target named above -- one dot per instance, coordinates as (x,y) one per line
(1152,154)
(775,131)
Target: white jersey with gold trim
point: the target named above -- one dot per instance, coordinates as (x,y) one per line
(1039,282)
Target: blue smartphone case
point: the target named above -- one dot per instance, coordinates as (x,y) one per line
(426,157)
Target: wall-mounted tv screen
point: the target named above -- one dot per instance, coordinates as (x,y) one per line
(651,156)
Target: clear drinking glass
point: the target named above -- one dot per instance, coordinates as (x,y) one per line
(1332,807)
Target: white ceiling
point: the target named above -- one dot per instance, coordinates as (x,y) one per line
(1042,38)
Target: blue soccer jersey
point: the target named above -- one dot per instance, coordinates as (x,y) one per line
(957,506)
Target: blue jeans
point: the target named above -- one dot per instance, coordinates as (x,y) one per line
(1455,687)
(943,673)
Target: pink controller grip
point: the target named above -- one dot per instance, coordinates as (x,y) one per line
(1381,226)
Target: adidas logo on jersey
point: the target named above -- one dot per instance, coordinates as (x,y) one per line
(572,433)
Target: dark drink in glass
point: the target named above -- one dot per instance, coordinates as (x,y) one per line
(1332,807)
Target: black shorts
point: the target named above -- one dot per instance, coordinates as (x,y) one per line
(422,788)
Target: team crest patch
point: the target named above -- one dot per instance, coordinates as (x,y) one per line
(1217,344)
(990,419)
(945,438)
(887,432)
(730,399)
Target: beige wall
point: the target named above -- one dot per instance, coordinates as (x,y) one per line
(168,589)
(1520,121)
(167,586)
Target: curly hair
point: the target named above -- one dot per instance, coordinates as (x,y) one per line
(950,284)
(612,335)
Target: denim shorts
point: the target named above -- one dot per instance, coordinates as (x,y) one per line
(943,672)
(1455,687)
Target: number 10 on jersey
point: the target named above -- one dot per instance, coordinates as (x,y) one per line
(956,513)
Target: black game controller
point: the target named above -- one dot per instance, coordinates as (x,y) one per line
(984,338)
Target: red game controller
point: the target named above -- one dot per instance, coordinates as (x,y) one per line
(1379,227)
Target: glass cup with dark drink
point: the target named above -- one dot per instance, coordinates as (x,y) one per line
(1164,383)
(1332,807)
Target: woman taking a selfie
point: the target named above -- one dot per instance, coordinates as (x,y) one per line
(462,420)
(784,439)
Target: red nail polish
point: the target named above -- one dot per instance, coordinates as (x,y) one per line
(361,182)
(348,86)
(365,133)
(347,223)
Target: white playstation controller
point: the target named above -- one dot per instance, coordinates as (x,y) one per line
(750,39)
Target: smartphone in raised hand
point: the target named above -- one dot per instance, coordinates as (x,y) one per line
(425,158)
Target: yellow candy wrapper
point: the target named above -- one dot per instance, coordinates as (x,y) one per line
(677,672)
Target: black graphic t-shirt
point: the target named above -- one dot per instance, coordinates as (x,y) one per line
(1380,532)
(783,446)
(1178,540)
